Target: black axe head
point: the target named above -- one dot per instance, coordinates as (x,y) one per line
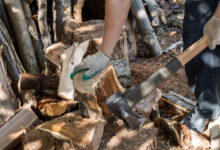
(119,106)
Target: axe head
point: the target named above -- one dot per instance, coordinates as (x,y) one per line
(119,106)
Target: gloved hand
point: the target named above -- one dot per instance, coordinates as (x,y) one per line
(212,29)
(93,64)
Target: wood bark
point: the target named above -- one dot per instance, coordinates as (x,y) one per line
(93,30)
(145,28)
(13,64)
(54,108)
(8,102)
(93,93)
(12,131)
(80,133)
(65,24)
(26,51)
(72,57)
(37,45)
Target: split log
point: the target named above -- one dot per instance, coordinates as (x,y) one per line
(13,64)
(156,13)
(214,132)
(8,101)
(37,45)
(123,71)
(72,57)
(184,137)
(93,93)
(146,105)
(78,5)
(94,30)
(54,108)
(26,51)
(145,28)
(118,138)
(65,24)
(46,85)
(12,131)
(79,133)
(178,101)
(54,52)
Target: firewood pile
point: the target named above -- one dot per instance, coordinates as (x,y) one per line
(42,107)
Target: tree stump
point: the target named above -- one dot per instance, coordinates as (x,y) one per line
(93,93)
(67,131)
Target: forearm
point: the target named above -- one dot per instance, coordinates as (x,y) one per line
(116,14)
(217,12)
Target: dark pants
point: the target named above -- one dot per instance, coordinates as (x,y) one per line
(203,71)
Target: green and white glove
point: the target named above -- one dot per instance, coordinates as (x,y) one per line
(212,29)
(93,64)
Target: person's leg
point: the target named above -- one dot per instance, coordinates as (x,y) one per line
(116,14)
(203,70)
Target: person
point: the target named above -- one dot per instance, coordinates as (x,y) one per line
(203,71)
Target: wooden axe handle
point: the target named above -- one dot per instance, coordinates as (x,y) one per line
(136,93)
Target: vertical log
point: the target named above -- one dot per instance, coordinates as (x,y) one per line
(144,25)
(78,5)
(13,64)
(8,101)
(37,45)
(28,58)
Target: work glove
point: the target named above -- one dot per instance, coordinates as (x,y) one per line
(93,64)
(212,29)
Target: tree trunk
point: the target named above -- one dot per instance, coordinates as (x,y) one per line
(8,102)
(145,28)
(78,133)
(26,51)
(13,64)
(37,45)
(93,93)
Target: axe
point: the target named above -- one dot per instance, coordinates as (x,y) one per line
(121,105)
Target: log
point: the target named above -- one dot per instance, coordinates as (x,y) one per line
(72,57)
(214,132)
(54,108)
(145,28)
(178,101)
(65,24)
(156,13)
(92,93)
(117,138)
(37,82)
(37,45)
(78,6)
(184,137)
(13,64)
(93,30)
(26,51)
(146,105)
(80,133)
(12,131)
(8,101)
(53,53)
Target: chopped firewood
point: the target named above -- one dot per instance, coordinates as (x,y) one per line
(70,59)
(78,6)
(179,101)
(53,53)
(184,137)
(94,30)
(146,105)
(93,93)
(12,131)
(37,82)
(80,133)
(8,101)
(119,138)
(22,36)
(214,132)
(54,108)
